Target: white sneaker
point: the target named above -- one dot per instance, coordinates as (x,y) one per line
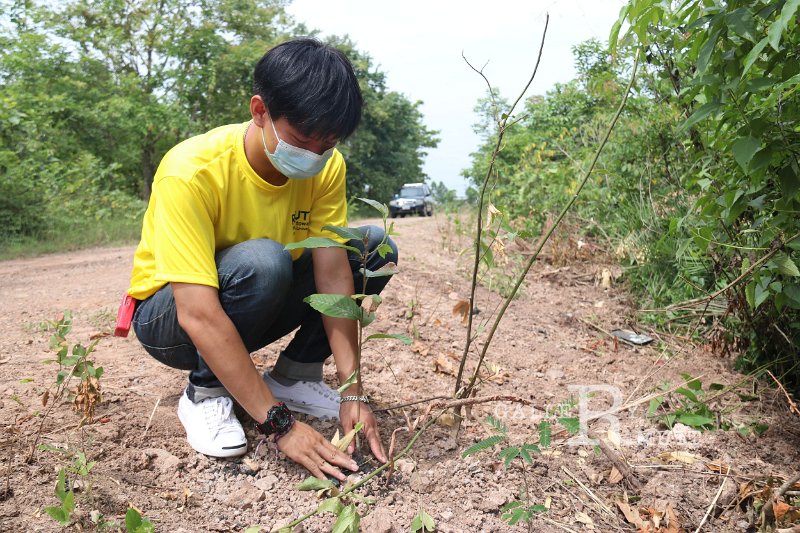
(211,427)
(313,398)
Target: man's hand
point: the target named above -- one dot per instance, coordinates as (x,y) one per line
(350,414)
(308,448)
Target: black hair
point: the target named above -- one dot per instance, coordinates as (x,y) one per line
(312,85)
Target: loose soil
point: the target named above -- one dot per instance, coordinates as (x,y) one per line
(544,349)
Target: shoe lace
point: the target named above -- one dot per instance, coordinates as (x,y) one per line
(324,391)
(217,412)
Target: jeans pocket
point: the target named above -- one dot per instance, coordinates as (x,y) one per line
(181,356)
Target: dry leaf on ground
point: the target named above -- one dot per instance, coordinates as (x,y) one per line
(679,457)
(443,366)
(462,308)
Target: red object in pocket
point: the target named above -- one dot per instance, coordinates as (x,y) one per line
(125,316)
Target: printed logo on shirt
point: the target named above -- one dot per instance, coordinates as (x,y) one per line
(300,220)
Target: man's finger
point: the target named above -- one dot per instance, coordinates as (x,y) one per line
(347,424)
(334,456)
(313,464)
(328,468)
(375,443)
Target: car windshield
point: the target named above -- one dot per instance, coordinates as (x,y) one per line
(411,192)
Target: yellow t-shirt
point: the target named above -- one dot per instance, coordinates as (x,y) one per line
(206,197)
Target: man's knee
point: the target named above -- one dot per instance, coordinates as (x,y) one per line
(258,263)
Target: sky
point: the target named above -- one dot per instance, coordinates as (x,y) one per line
(418,44)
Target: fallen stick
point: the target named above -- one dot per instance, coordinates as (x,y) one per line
(767,512)
(149,420)
(619,463)
(792,406)
(409,404)
(713,504)
(474,401)
(588,491)
(557,524)
(457,403)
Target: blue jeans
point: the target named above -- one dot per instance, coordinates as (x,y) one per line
(261,289)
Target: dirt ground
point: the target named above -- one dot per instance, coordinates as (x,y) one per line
(544,352)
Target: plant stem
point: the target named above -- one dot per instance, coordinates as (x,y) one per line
(547,236)
(371,475)
(479,226)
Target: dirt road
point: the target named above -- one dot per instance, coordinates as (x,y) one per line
(544,352)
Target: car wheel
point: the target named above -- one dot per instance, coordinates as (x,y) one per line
(429,211)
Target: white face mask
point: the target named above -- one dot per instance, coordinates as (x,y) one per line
(293,162)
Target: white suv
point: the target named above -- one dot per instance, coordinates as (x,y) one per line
(412,198)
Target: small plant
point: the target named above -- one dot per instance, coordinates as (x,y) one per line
(62,513)
(360,307)
(136,523)
(86,395)
(520,509)
(75,363)
(689,405)
(422,523)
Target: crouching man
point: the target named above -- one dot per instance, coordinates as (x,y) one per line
(214,282)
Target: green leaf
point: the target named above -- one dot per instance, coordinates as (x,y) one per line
(61,482)
(253,529)
(780,24)
(58,514)
(786,266)
(742,23)
(704,56)
(320,242)
(526,450)
(693,383)
(544,434)
(346,233)
(496,424)
(397,336)
(386,272)
(702,112)
(571,424)
(744,149)
(753,55)
(382,209)
(422,523)
(509,454)
(750,294)
(483,445)
(312,483)
(133,519)
(538,508)
(347,521)
(335,305)
(790,181)
(694,420)
(686,392)
(330,505)
(367,319)
(384,249)
(614,36)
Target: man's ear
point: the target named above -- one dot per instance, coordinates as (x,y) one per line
(258,110)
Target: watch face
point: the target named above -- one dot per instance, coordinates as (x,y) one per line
(280,417)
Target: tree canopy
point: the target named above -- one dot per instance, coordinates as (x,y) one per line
(94,93)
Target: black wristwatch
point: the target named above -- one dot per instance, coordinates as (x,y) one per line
(278,423)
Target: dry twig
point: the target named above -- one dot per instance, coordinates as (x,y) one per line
(619,463)
(713,503)
(792,406)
